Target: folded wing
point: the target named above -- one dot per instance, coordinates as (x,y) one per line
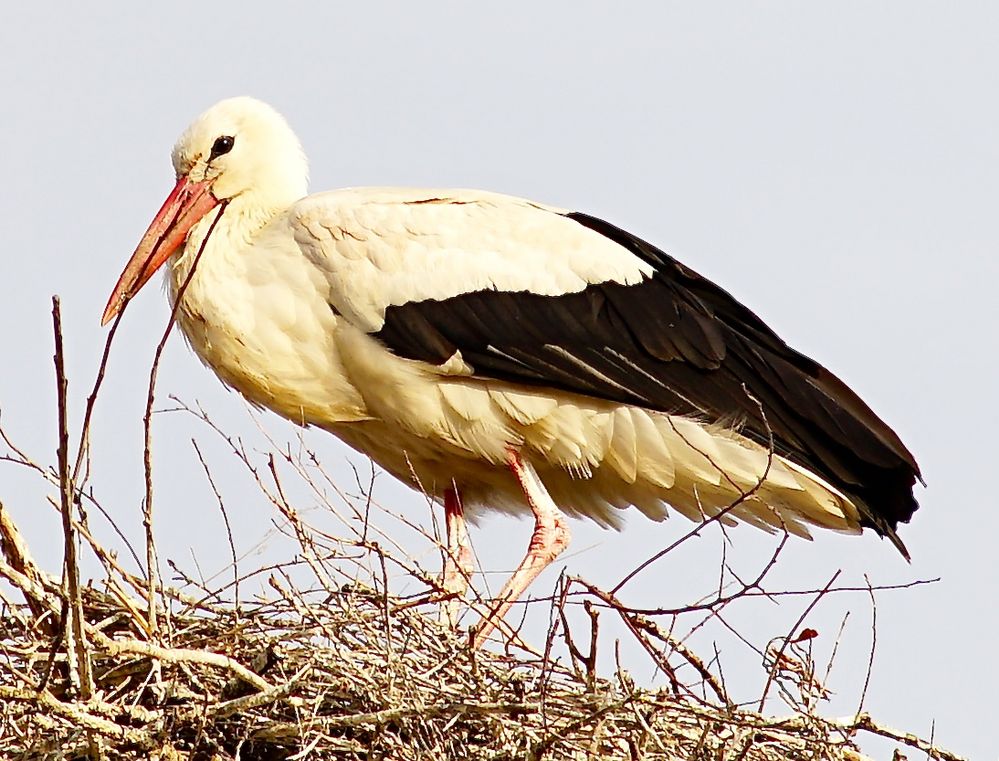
(543,297)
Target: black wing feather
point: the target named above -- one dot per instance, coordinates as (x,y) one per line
(679,344)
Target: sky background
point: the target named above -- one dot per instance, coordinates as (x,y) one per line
(835,166)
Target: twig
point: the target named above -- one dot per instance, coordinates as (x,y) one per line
(260,699)
(228,528)
(152,564)
(82,454)
(76,639)
(30,587)
(637,623)
(178,655)
(866,723)
(752,590)
(874,645)
(431,711)
(772,672)
(15,550)
(78,715)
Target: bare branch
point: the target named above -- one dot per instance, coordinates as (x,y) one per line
(79,657)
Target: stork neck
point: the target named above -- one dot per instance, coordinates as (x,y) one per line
(241,221)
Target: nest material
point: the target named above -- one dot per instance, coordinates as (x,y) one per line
(349,673)
(355,675)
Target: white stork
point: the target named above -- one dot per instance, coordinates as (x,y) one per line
(500,353)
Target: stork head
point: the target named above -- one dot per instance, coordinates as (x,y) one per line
(242,147)
(241,152)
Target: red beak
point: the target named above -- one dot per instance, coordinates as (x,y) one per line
(183,208)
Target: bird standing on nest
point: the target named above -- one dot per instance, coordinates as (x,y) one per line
(501,353)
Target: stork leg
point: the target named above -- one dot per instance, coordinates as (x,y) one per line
(458,558)
(551,536)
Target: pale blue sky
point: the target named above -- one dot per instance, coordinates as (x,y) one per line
(835,166)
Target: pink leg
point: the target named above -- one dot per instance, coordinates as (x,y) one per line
(550,538)
(457,560)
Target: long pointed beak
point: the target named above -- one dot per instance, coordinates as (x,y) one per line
(183,208)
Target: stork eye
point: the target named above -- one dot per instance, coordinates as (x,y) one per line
(222,146)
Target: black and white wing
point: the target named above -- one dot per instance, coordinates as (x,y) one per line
(550,298)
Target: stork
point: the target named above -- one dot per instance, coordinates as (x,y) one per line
(500,353)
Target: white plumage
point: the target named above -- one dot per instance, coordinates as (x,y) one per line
(333,310)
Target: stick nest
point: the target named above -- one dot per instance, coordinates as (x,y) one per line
(350,673)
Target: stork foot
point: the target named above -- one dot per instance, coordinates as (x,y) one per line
(458,565)
(550,538)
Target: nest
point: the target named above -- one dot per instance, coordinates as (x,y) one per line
(342,670)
